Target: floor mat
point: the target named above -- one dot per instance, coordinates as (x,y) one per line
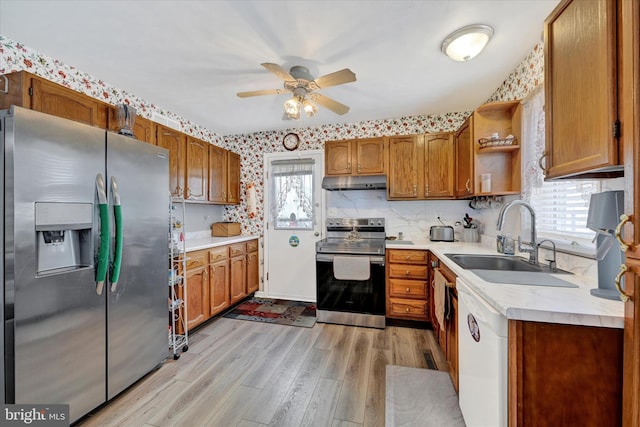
(282,312)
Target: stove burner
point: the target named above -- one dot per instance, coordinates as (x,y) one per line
(356,236)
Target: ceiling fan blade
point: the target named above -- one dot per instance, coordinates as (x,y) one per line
(337,78)
(261,92)
(329,103)
(278,71)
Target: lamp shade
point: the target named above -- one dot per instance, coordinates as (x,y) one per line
(467,42)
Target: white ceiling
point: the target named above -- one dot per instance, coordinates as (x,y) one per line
(191,57)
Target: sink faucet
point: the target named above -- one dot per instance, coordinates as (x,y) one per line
(533,246)
(552,262)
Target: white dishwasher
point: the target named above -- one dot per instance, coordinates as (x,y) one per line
(482,359)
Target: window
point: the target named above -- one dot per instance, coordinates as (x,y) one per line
(561,206)
(292,196)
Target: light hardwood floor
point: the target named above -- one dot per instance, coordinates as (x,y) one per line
(243,373)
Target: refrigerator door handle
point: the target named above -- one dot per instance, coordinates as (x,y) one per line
(103,252)
(117,256)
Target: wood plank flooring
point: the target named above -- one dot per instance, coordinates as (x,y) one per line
(243,373)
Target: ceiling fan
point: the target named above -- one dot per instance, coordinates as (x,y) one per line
(303,86)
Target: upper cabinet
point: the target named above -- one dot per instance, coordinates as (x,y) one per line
(175,142)
(581,89)
(355,157)
(197,169)
(224,176)
(438,165)
(33,92)
(421,167)
(143,129)
(489,143)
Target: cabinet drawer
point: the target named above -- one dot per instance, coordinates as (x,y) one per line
(416,289)
(406,308)
(218,254)
(237,249)
(197,259)
(252,245)
(407,271)
(407,256)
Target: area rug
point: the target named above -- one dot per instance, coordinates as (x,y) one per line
(282,312)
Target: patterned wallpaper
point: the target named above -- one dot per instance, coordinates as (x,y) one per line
(16,57)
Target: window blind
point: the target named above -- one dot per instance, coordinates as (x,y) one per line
(562,207)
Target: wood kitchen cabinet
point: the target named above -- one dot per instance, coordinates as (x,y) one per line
(176,143)
(253,267)
(464,182)
(36,93)
(197,169)
(439,166)
(219,298)
(237,271)
(224,176)
(582,69)
(407,285)
(197,300)
(421,167)
(564,375)
(355,157)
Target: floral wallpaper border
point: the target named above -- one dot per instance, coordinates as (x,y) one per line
(15,56)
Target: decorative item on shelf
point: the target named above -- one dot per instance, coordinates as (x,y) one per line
(510,140)
(126,119)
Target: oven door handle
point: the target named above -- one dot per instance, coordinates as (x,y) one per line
(329,258)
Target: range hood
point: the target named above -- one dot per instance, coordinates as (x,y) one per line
(369,182)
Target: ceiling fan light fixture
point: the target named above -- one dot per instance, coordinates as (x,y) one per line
(292,106)
(467,42)
(309,108)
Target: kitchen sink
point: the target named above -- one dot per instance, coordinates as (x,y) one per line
(499,262)
(511,270)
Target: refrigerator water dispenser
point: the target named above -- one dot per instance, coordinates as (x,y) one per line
(64,236)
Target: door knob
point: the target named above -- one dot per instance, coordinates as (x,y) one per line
(317,233)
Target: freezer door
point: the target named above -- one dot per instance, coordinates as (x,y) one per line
(52,309)
(138,180)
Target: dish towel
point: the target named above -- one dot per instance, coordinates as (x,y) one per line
(351,267)
(438,296)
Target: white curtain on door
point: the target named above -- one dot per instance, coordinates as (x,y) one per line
(292,194)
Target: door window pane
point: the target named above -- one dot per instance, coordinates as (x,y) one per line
(292,194)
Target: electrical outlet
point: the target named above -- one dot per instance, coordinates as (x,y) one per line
(332,212)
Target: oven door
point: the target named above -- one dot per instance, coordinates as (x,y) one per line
(352,302)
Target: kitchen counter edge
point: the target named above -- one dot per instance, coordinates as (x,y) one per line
(572,306)
(212,242)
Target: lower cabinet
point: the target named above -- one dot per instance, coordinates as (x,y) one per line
(218,278)
(447,334)
(407,281)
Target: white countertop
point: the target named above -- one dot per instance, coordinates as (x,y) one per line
(207,242)
(573,306)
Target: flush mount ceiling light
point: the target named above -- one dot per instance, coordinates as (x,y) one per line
(467,42)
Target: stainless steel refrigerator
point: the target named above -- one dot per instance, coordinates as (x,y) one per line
(85,261)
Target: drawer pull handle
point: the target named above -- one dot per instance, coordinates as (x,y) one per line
(408,273)
(408,290)
(407,309)
(623,295)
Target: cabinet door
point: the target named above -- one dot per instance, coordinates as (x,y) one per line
(197,165)
(197,296)
(217,174)
(370,156)
(218,286)
(452,339)
(580,87)
(143,129)
(175,142)
(238,278)
(463,183)
(57,100)
(233,178)
(439,165)
(337,158)
(405,165)
(253,272)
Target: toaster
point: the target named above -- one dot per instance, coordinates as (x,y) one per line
(441,233)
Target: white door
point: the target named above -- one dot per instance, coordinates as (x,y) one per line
(294,222)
